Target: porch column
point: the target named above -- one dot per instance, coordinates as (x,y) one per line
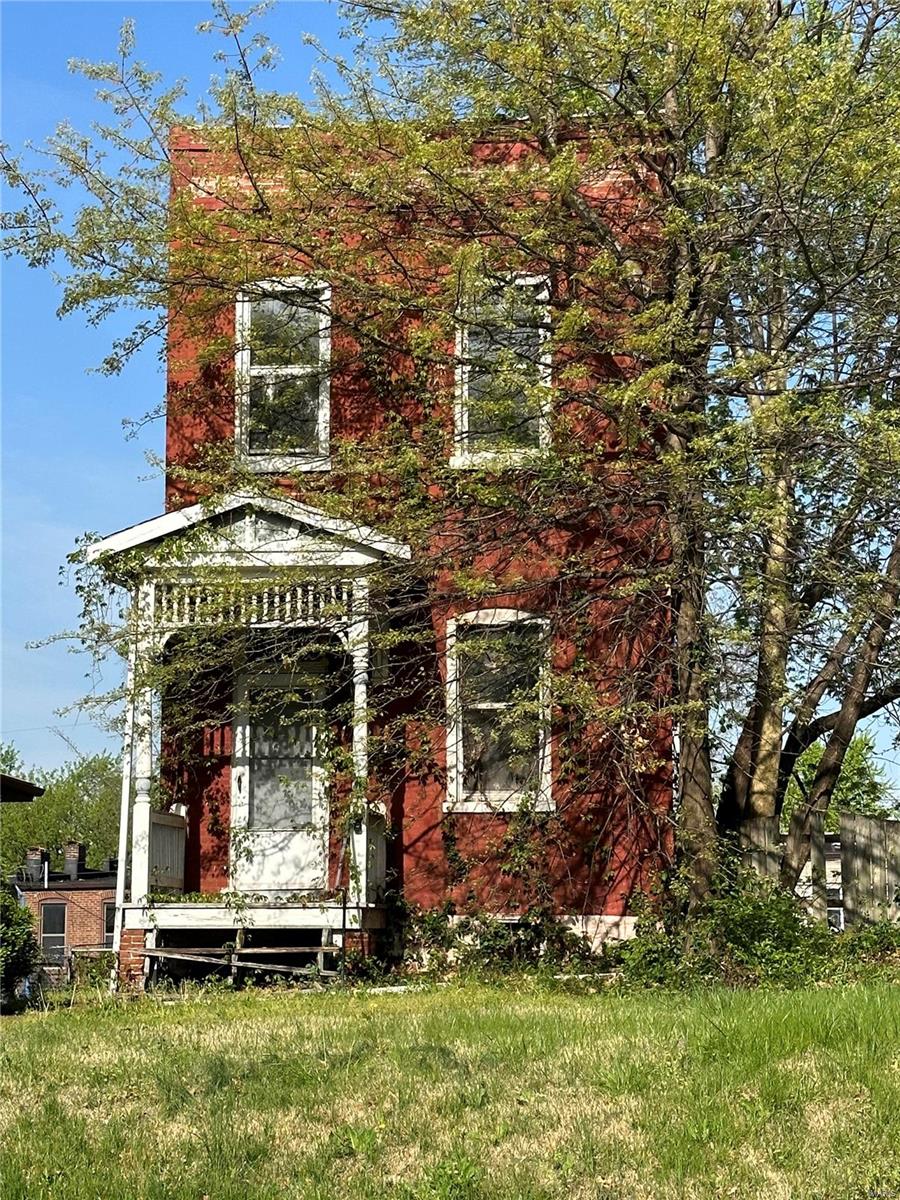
(125,797)
(358,634)
(142,741)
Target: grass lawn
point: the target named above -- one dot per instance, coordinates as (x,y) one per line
(461,1093)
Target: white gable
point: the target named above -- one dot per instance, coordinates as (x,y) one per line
(251,532)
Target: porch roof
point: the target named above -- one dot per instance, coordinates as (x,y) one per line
(304,515)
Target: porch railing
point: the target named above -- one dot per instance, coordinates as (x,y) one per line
(251,602)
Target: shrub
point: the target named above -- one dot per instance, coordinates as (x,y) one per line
(19,951)
(750,932)
(94,970)
(480,943)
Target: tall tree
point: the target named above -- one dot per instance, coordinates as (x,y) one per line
(80,803)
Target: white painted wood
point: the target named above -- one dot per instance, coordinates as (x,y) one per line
(236,915)
(168,836)
(464,455)
(277,860)
(303,514)
(125,795)
(358,637)
(143,756)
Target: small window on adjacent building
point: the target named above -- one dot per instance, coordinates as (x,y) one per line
(53,931)
(109,925)
(503,372)
(283,339)
(498,747)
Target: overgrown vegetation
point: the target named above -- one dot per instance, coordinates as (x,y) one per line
(457,1093)
(748,933)
(19,951)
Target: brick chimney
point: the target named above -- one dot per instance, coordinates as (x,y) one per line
(35,857)
(75,855)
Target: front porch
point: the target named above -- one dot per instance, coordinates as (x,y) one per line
(248,568)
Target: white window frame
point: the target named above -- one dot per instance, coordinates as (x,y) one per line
(464,455)
(242,765)
(299,460)
(108,938)
(65,933)
(457,799)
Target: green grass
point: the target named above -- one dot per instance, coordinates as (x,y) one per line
(461,1093)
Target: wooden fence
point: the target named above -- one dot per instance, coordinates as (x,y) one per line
(869,865)
(870,869)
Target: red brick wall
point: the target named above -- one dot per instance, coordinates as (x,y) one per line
(84,912)
(131,958)
(608,840)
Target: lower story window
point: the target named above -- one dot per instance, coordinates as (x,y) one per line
(53,931)
(498,745)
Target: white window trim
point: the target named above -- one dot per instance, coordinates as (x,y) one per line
(300,460)
(463,455)
(240,758)
(457,800)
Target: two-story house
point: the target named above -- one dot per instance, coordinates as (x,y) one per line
(404,652)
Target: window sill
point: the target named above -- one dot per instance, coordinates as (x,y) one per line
(499,803)
(286,464)
(473,460)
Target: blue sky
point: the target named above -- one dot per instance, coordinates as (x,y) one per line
(67,466)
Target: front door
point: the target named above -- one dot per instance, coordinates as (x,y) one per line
(279,827)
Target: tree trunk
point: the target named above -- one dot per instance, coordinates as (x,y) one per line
(773,657)
(696,815)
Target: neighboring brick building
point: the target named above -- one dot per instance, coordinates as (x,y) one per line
(73,908)
(440,793)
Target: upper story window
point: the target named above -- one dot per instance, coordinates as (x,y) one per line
(498,745)
(282,372)
(53,931)
(503,371)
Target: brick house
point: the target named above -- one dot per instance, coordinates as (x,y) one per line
(428,792)
(73,909)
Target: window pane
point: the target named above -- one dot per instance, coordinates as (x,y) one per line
(498,663)
(504,350)
(284,331)
(284,413)
(53,918)
(282,756)
(501,751)
(109,923)
(53,947)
